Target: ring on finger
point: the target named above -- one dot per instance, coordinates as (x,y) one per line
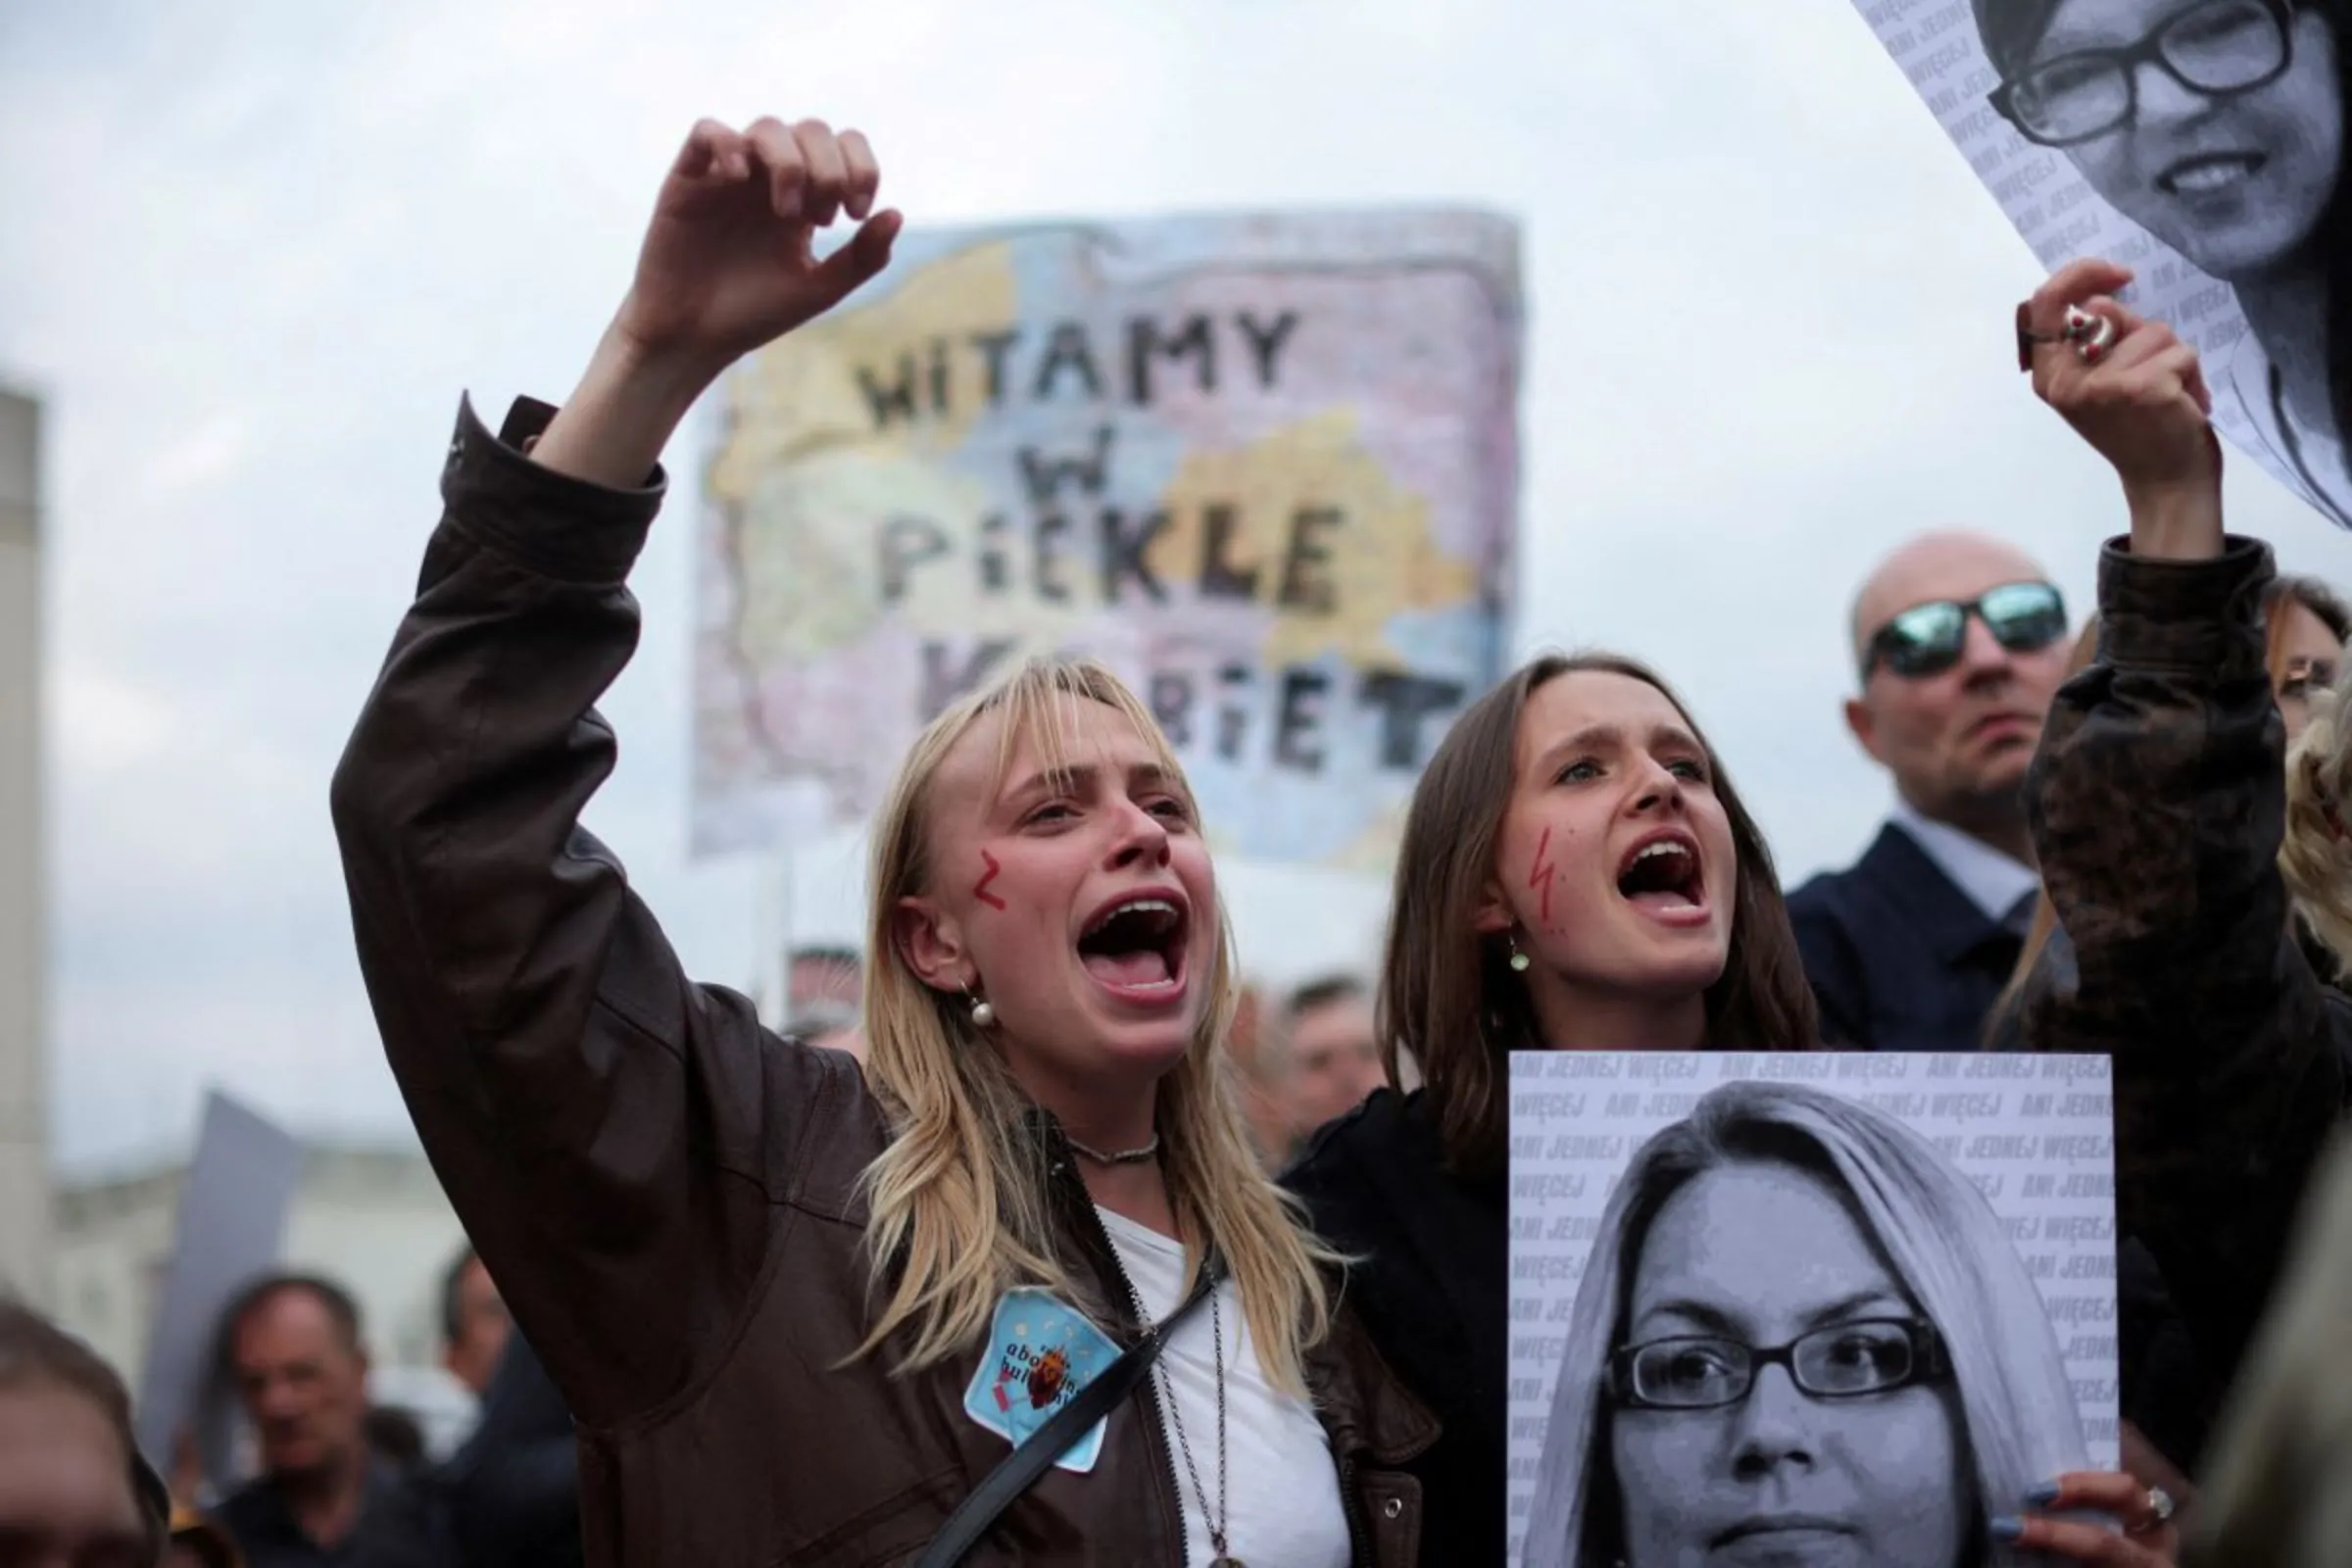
(2160,1512)
(2092,334)
(2028,340)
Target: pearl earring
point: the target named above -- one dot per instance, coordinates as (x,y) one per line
(1519,960)
(983,1015)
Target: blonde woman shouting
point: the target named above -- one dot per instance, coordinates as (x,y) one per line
(804,1313)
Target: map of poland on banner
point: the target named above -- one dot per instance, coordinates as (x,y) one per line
(1265,467)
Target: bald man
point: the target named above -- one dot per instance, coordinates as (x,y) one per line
(1959,642)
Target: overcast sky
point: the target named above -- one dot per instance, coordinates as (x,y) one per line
(252,253)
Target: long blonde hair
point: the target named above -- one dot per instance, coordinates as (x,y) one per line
(2314,855)
(962,1199)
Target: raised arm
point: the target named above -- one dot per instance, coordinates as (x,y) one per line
(2158,803)
(616,1140)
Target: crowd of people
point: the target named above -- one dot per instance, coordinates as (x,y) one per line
(1069,1247)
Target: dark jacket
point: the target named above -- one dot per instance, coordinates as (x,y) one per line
(2272,1496)
(1432,1283)
(666,1192)
(2166,1391)
(399,1527)
(2158,801)
(1899,958)
(511,1494)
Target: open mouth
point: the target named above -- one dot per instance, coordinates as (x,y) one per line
(1136,942)
(2207,173)
(1662,874)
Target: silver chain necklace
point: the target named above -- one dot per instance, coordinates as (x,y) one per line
(1217,1528)
(1125,1157)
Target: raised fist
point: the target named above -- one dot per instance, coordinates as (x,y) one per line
(2132,390)
(728,261)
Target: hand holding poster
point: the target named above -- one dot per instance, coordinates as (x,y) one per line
(1264,467)
(1808,1307)
(2198,143)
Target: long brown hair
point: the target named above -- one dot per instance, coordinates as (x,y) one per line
(1448,993)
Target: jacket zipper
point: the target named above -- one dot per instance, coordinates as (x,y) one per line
(1134,1306)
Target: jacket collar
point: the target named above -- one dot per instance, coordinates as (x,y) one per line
(1946,918)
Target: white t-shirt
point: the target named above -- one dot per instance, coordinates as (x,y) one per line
(1282,1505)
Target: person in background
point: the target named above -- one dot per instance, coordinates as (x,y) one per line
(396,1437)
(2168,1399)
(2304,628)
(1328,1052)
(73,1491)
(2314,853)
(1255,1056)
(2160,806)
(198,1542)
(475,1325)
(292,1346)
(1959,641)
(513,1491)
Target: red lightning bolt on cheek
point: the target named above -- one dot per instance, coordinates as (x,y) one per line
(1541,876)
(980,887)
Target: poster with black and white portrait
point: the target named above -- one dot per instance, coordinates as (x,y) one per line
(1837,1310)
(2202,144)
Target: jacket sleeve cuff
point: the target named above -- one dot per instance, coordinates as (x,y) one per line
(2200,616)
(549,523)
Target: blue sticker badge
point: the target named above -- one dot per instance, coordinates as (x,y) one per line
(1041,1353)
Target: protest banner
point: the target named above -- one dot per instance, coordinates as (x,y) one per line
(1924,1243)
(231,1224)
(2199,144)
(1264,467)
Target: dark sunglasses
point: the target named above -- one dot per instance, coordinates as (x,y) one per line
(2023,617)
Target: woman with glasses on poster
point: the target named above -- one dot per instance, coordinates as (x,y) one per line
(1802,1336)
(2217,125)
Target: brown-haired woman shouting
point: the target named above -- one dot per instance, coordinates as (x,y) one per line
(801,1313)
(1576,873)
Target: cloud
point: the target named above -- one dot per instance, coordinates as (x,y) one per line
(259,250)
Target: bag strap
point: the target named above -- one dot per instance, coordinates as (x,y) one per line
(1018,1470)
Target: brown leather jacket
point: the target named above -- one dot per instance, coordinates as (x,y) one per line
(665,1191)
(2158,801)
